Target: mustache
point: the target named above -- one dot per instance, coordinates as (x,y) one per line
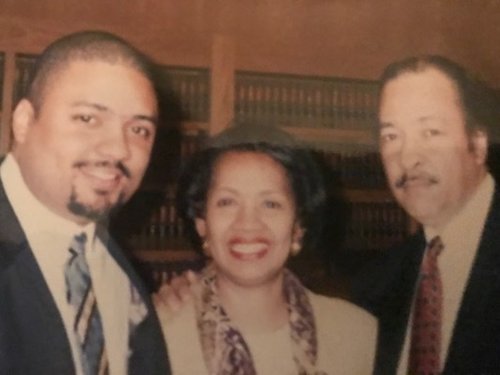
(403,180)
(104,164)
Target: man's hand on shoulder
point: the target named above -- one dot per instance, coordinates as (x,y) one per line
(172,296)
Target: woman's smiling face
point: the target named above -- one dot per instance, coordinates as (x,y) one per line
(250,220)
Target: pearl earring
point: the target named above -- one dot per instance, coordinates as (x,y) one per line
(206,248)
(295,248)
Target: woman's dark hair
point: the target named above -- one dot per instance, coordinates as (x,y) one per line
(304,175)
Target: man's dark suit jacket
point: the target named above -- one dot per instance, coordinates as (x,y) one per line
(32,335)
(386,289)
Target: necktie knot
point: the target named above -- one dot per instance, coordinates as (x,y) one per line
(435,247)
(78,244)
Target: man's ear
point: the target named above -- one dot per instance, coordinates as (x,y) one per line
(22,119)
(479,144)
(201,227)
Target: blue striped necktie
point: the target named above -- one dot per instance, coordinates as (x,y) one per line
(87,325)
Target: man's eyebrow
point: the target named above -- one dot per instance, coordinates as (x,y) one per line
(427,118)
(384,124)
(153,119)
(422,120)
(82,103)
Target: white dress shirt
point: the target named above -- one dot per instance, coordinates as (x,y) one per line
(49,237)
(460,238)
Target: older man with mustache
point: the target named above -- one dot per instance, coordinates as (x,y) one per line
(437,296)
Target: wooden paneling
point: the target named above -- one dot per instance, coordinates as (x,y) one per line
(222,84)
(7,90)
(347,38)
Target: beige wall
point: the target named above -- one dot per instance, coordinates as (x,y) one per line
(350,38)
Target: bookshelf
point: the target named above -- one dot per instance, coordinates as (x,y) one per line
(24,65)
(2,63)
(8,77)
(300,101)
(192,87)
(3,134)
(332,115)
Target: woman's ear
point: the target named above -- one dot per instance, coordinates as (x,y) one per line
(298,233)
(22,120)
(201,227)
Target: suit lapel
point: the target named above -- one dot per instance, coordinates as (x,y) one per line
(116,252)
(10,230)
(395,320)
(385,288)
(148,353)
(38,316)
(140,304)
(35,320)
(477,320)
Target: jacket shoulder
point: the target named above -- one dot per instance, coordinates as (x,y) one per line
(386,273)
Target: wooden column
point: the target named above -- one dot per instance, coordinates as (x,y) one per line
(222,84)
(7,92)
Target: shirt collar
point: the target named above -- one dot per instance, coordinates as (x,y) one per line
(471,217)
(34,216)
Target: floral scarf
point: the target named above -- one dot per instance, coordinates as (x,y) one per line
(224,348)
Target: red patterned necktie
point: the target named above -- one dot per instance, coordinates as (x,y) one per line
(426,330)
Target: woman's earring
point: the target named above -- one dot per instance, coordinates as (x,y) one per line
(295,248)
(205,248)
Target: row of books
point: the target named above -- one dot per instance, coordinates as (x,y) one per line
(375,225)
(357,170)
(2,67)
(190,85)
(24,68)
(279,99)
(191,143)
(160,272)
(371,227)
(167,162)
(370,224)
(163,229)
(352,169)
(192,88)
(305,101)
